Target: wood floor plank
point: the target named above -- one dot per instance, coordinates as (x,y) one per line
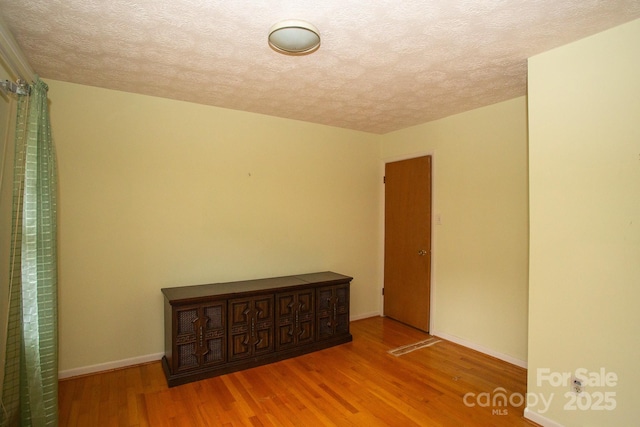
(354,384)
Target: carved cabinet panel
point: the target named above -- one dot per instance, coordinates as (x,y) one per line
(200,336)
(295,318)
(333,311)
(251,327)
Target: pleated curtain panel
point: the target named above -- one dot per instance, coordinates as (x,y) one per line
(30,383)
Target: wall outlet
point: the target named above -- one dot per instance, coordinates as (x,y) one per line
(576,385)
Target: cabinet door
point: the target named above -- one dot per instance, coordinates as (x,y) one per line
(251,327)
(200,336)
(333,311)
(295,318)
(213,334)
(185,355)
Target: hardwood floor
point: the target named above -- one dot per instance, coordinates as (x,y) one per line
(353,384)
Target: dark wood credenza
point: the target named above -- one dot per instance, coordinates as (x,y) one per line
(221,328)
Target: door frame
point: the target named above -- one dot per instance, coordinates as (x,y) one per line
(434,239)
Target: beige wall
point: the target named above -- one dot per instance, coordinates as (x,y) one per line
(584,108)
(157,193)
(480,250)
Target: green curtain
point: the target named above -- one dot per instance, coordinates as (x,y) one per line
(30,383)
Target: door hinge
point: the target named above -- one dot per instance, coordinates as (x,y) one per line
(384,179)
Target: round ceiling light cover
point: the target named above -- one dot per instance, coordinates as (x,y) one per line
(294,37)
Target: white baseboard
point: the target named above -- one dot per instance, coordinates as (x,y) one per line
(109,366)
(539,419)
(70,373)
(364,316)
(481,349)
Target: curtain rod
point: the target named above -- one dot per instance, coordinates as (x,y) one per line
(20,87)
(12,56)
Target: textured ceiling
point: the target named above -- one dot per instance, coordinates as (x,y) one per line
(382,66)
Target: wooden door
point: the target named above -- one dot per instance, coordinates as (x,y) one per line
(407,246)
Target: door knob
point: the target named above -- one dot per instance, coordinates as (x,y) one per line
(422,252)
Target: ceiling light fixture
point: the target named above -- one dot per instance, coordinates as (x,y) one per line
(294,37)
